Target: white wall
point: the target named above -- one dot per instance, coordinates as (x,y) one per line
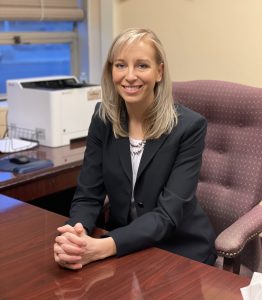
(204,39)
(98,27)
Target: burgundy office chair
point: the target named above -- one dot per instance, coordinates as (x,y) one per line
(230,184)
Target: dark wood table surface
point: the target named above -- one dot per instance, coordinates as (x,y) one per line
(67,162)
(28,270)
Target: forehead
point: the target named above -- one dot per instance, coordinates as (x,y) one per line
(139,49)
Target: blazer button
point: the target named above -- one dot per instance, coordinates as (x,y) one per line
(140,204)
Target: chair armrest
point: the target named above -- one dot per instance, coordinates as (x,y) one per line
(232,240)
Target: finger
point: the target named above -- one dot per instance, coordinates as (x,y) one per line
(58,248)
(76,266)
(64,264)
(66,228)
(72,249)
(80,241)
(56,257)
(71,259)
(63,239)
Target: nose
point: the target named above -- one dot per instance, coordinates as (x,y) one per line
(131,75)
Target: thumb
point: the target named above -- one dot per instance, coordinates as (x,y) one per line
(79,228)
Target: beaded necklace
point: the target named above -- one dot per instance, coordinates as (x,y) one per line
(137,148)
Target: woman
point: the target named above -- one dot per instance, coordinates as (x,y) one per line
(144,153)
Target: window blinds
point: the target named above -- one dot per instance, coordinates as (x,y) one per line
(39,10)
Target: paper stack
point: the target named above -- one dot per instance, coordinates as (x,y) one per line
(254,290)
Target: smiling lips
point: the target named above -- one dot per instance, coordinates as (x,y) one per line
(131,89)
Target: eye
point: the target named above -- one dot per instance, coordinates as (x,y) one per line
(143,66)
(119,65)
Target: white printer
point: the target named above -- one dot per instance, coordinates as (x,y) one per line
(55,110)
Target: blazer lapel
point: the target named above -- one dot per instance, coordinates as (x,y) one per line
(151,148)
(124,154)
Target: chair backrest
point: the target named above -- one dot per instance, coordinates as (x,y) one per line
(230,182)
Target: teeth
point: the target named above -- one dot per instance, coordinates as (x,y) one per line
(131,88)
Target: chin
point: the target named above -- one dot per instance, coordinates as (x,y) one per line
(131,100)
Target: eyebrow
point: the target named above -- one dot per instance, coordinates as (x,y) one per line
(144,60)
(118,59)
(138,60)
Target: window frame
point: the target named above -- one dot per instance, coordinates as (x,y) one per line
(89,41)
(7,38)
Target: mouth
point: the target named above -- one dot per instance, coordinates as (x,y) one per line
(131,88)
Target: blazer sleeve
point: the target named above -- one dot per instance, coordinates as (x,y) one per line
(175,201)
(90,192)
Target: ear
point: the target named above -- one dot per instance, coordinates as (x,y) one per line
(160,72)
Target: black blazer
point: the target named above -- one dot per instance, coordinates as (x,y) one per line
(169,215)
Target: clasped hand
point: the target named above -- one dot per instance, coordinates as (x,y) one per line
(73,248)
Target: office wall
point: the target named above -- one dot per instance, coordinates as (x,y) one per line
(204,39)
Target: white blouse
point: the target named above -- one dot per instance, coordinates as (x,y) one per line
(136,151)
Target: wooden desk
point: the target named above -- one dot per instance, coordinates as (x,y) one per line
(63,175)
(28,270)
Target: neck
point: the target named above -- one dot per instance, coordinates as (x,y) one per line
(135,121)
(135,112)
(135,130)
(135,127)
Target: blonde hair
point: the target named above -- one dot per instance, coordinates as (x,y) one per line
(161,116)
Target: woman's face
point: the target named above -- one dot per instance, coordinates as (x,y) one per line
(135,73)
